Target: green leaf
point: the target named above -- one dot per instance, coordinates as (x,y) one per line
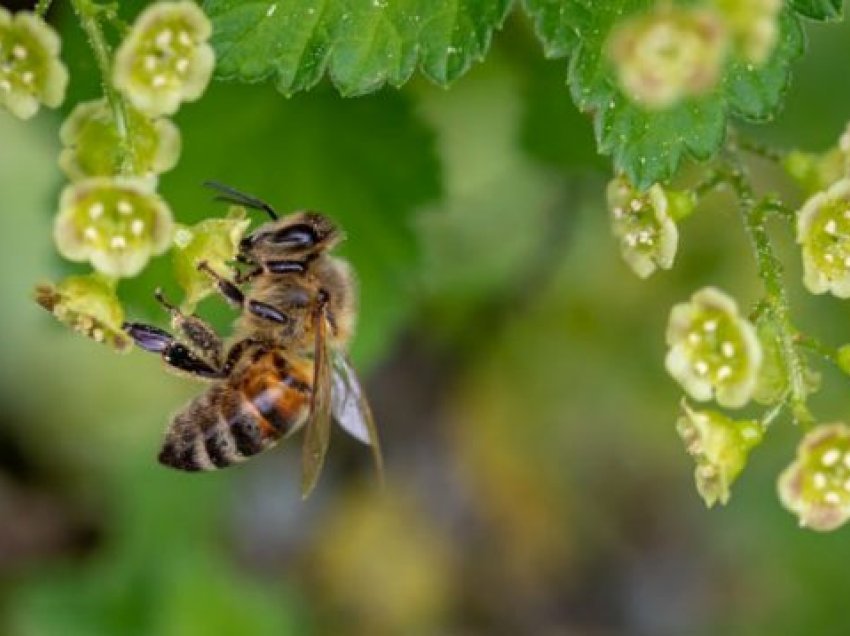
(552,25)
(650,145)
(824,10)
(361,44)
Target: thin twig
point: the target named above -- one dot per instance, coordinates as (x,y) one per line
(87,11)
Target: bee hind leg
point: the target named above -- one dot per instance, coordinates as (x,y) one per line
(175,354)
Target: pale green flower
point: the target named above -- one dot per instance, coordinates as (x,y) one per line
(668,54)
(714,352)
(720,446)
(166,59)
(93,145)
(823,232)
(644,224)
(816,486)
(116,223)
(754,25)
(31,72)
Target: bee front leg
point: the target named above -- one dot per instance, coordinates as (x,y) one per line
(236,298)
(174,354)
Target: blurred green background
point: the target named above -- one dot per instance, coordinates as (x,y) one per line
(536,483)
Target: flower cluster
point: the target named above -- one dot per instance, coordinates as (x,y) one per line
(816,486)
(31,72)
(166,59)
(714,352)
(720,446)
(114,149)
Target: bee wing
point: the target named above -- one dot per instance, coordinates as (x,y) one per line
(351,409)
(318,427)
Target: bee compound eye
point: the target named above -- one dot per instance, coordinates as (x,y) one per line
(295,236)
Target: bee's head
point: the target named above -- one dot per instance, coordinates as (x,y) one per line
(294,237)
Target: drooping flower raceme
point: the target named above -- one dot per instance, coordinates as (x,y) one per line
(823,232)
(816,486)
(166,59)
(213,241)
(720,446)
(87,304)
(117,224)
(644,224)
(714,351)
(93,145)
(31,72)
(754,25)
(668,54)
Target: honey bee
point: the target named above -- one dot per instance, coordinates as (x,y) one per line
(286,368)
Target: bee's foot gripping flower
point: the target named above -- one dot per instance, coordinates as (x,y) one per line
(720,446)
(166,59)
(816,486)
(87,304)
(212,241)
(116,224)
(668,55)
(31,72)
(713,350)
(93,146)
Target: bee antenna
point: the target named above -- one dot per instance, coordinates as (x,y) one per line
(232,195)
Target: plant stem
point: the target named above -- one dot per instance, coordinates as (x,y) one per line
(756,147)
(42,7)
(770,271)
(87,11)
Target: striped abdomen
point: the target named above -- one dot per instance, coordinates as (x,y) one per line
(241,417)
